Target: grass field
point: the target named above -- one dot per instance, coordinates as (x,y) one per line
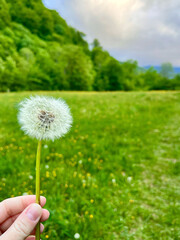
(114,176)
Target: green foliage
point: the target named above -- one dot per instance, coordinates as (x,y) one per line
(167,70)
(39,51)
(76,68)
(5,18)
(114,176)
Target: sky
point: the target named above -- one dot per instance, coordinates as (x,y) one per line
(144,30)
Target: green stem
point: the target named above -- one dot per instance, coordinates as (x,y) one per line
(38,157)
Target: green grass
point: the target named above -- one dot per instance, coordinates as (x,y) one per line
(114,176)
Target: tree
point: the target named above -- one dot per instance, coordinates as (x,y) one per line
(77,68)
(5,18)
(167,70)
(130,72)
(96,44)
(151,79)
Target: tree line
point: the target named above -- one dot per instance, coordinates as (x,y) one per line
(39,51)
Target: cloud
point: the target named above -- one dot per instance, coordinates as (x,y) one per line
(145,30)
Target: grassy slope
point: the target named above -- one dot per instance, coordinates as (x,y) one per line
(115,136)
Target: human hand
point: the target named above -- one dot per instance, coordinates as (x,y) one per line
(19,217)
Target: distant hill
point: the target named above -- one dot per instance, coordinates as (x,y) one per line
(158,69)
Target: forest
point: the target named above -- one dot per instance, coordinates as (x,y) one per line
(40,51)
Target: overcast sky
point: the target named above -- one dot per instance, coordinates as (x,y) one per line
(143,30)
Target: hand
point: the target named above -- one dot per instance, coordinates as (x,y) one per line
(19,217)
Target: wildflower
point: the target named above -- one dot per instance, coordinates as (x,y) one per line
(54,173)
(76,235)
(44,117)
(91,216)
(46,166)
(47,174)
(129,179)
(45,146)
(131,200)
(30,177)
(92,200)
(113,180)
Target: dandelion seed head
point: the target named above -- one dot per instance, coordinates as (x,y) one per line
(113,180)
(44,117)
(129,179)
(76,235)
(30,177)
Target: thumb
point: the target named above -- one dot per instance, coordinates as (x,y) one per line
(24,224)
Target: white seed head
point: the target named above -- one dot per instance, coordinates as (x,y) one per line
(76,235)
(44,117)
(129,179)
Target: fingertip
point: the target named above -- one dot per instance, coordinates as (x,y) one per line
(42,200)
(34,212)
(41,227)
(45,215)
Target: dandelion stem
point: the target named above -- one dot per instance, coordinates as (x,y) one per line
(38,157)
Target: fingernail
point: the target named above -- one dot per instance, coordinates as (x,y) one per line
(34,212)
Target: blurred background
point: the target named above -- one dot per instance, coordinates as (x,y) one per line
(115,175)
(92,45)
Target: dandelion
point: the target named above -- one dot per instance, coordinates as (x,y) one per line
(43,118)
(113,180)
(123,174)
(76,235)
(129,179)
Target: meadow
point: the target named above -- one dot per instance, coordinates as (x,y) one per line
(115,175)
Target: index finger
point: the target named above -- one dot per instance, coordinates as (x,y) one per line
(13,206)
